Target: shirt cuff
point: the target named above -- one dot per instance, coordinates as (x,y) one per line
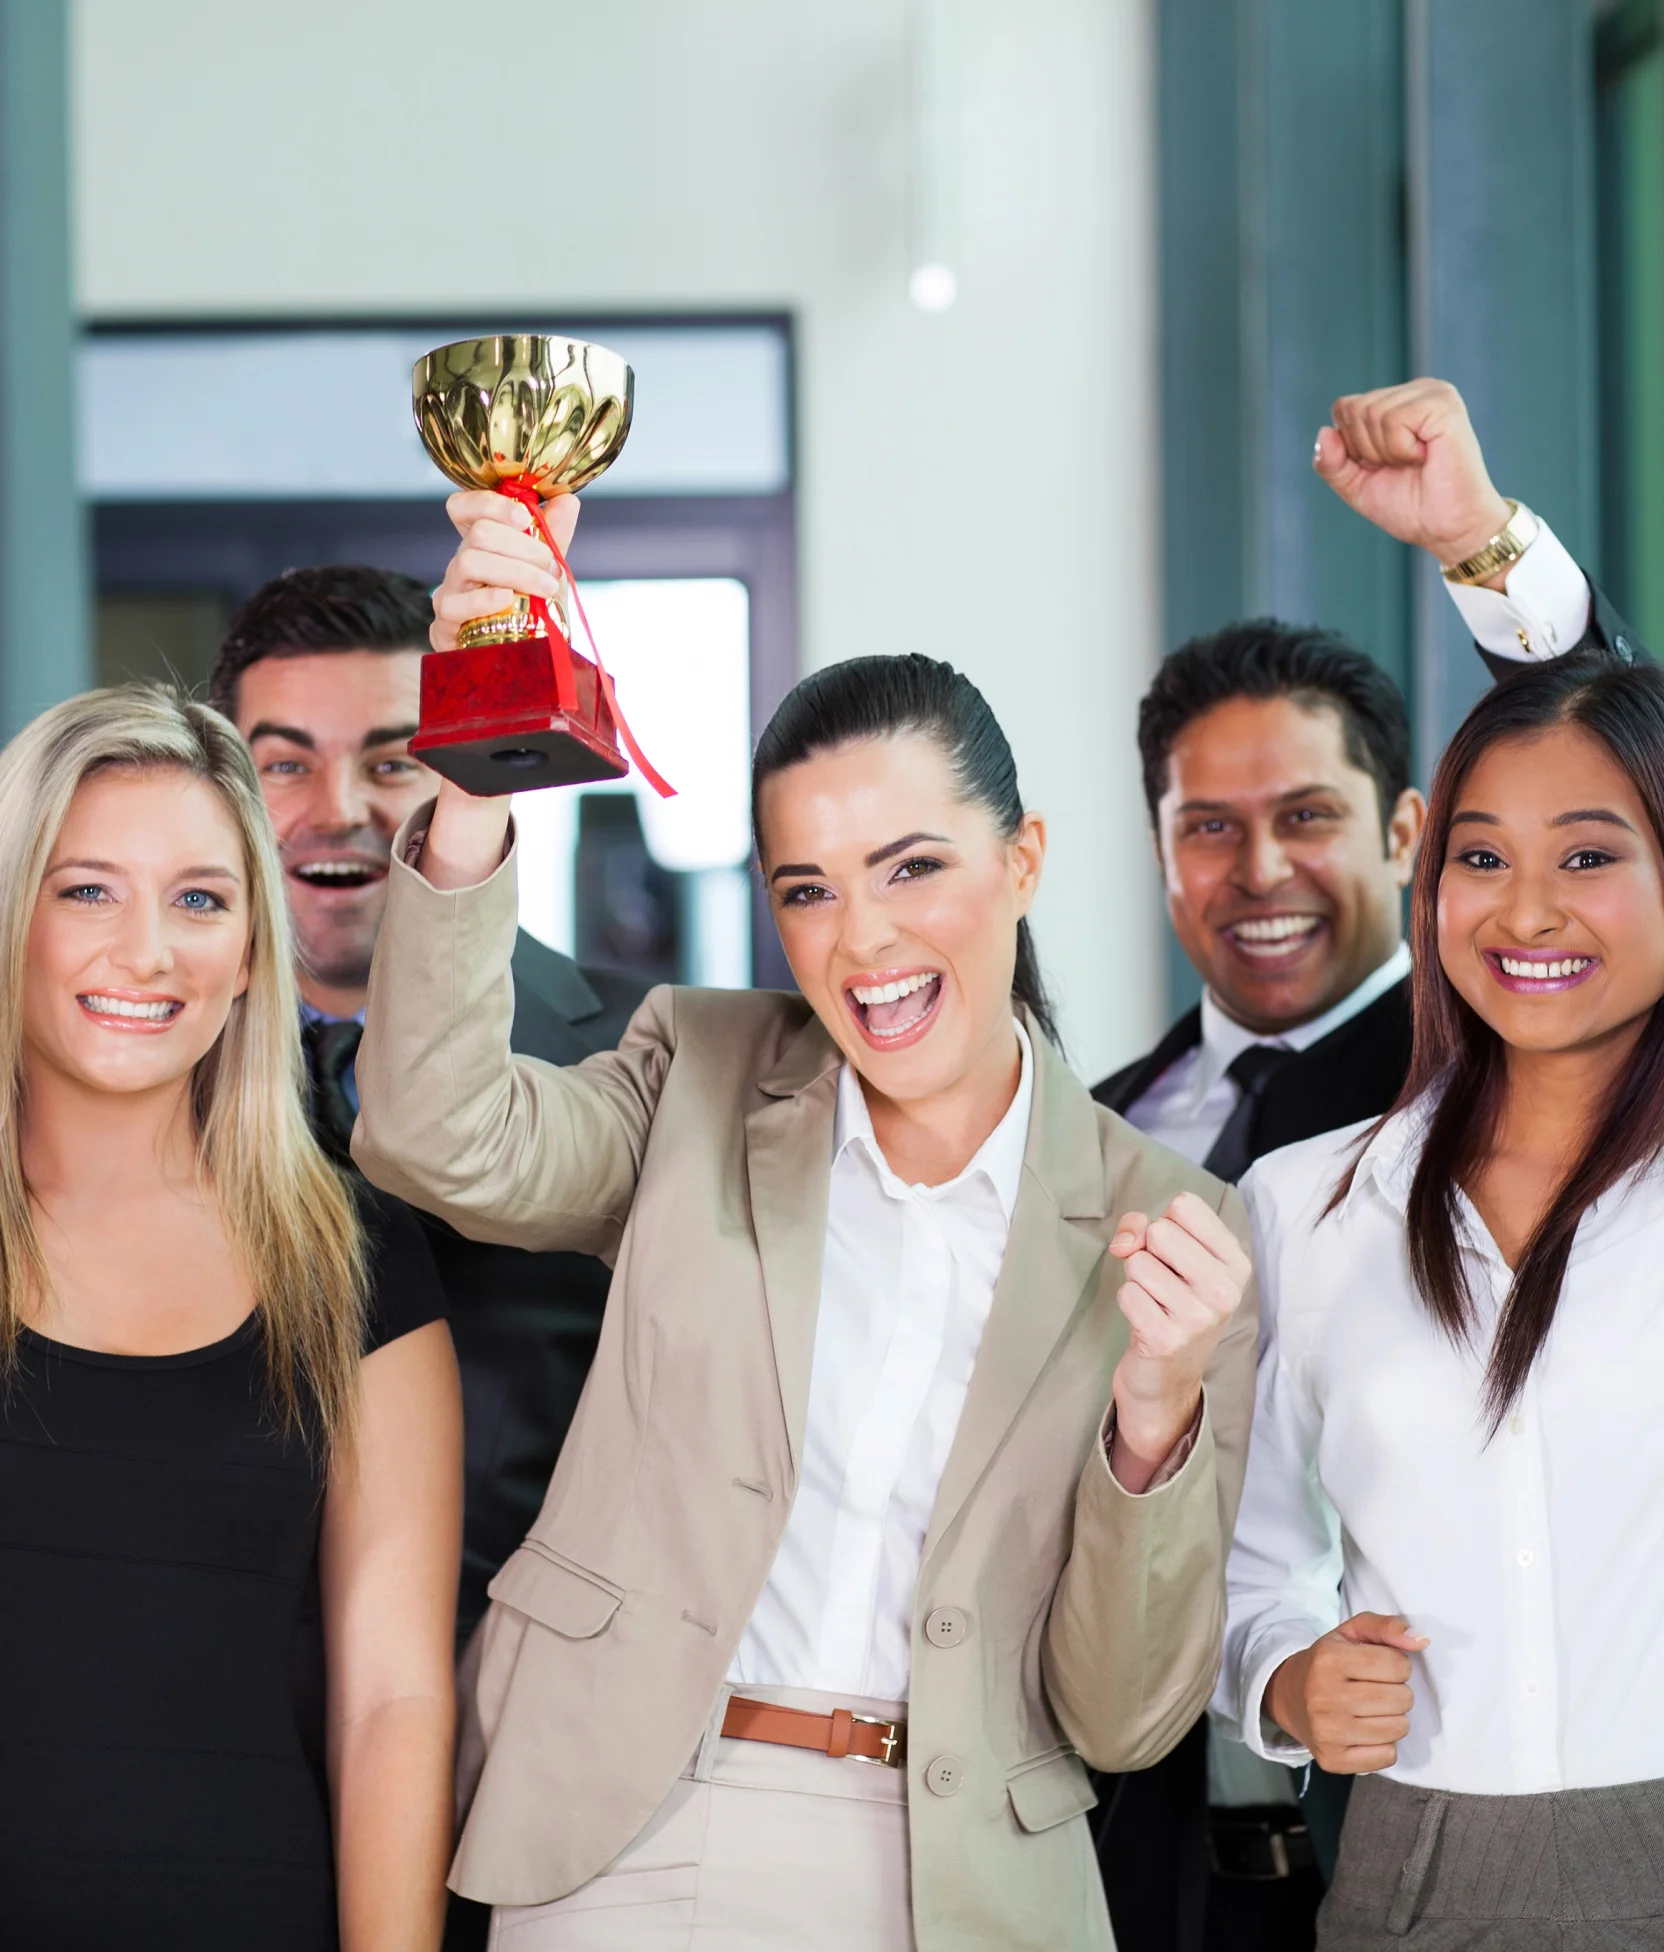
(1256,1728)
(1171,1465)
(1543,610)
(416,838)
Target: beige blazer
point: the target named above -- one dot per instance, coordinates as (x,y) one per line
(697,1158)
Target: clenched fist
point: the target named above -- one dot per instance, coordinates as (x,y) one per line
(1347,1697)
(1186,1275)
(499,556)
(1407,459)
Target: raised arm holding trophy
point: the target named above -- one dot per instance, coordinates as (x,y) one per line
(510,704)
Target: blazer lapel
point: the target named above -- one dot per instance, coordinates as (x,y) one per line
(788,1161)
(1355,1072)
(1051,1259)
(1122,1091)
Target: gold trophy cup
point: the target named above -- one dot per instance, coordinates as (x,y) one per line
(514,706)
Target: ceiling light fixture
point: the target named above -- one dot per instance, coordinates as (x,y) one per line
(932,283)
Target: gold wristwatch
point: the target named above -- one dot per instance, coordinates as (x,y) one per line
(1502,551)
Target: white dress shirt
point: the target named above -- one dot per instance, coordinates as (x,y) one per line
(906,1287)
(1187,1106)
(1535,1560)
(1542,609)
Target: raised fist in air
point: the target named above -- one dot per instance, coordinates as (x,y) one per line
(1407,459)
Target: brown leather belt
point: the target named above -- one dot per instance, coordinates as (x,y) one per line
(861,1738)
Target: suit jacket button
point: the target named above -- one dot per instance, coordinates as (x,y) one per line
(945,1776)
(946,1627)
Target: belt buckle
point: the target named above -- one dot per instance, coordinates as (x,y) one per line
(1255,1850)
(894,1743)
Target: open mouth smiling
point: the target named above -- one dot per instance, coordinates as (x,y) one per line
(1539,972)
(894,1009)
(1268,940)
(337,874)
(129,1013)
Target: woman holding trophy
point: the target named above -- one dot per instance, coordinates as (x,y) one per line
(902,1483)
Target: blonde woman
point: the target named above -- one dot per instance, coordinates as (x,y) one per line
(229,1434)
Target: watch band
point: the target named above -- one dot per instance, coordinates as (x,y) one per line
(1502,551)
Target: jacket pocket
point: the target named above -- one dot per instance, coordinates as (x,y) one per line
(556,1593)
(1049,1789)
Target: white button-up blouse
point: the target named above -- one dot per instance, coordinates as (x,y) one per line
(1534,1559)
(906,1287)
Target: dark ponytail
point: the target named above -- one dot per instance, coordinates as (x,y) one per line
(878,697)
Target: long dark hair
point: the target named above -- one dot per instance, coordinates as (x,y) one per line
(878,697)
(1458,1061)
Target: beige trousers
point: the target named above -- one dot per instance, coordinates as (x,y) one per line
(755,1848)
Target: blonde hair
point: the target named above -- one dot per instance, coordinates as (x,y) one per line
(289,1215)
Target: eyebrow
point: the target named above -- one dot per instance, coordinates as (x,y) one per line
(1281,799)
(266,729)
(880,855)
(378,735)
(207,871)
(1604,816)
(876,858)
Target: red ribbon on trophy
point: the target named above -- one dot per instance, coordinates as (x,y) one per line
(521,490)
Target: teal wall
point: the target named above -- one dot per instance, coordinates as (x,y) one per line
(45,650)
(1353,192)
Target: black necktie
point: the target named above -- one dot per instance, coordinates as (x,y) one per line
(330,1050)
(1233,1150)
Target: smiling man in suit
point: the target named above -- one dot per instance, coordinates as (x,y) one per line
(321,673)
(1276,765)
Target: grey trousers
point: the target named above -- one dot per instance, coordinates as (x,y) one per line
(1578,1871)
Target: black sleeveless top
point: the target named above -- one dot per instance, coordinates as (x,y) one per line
(161,1649)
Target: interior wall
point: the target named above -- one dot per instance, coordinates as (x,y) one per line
(978,483)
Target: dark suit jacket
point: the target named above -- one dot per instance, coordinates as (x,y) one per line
(1355,1072)
(525,1325)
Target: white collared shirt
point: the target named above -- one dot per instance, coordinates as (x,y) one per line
(1534,1560)
(1187,1106)
(907,1283)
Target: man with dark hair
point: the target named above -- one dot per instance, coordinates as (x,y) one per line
(320,672)
(1276,763)
(1277,772)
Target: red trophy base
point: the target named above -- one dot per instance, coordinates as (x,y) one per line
(491,720)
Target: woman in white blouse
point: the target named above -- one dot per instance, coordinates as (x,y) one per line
(868,1470)
(1448,1575)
